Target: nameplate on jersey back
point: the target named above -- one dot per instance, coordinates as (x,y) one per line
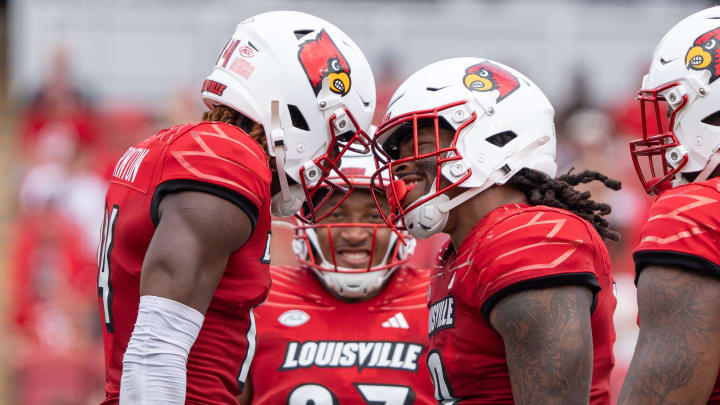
(135,168)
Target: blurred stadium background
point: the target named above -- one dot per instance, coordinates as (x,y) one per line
(82,80)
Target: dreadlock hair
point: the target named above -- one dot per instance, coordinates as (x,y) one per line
(227,115)
(561,193)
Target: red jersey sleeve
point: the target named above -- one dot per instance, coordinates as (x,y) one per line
(683,230)
(537,248)
(218,159)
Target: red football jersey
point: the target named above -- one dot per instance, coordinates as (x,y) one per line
(682,231)
(215,158)
(513,248)
(314,347)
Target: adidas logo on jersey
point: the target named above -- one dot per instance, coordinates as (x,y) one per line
(396,321)
(442,315)
(393,355)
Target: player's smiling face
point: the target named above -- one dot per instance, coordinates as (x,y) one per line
(352,244)
(418,175)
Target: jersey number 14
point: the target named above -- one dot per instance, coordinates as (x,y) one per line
(104,251)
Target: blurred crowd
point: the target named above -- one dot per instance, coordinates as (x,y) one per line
(68,143)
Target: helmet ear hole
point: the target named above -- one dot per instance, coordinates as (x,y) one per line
(712,119)
(298,120)
(501,138)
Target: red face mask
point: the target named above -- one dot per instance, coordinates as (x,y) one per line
(649,153)
(327,166)
(388,158)
(312,260)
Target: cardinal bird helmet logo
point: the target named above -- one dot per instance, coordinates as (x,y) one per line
(705,53)
(487,76)
(320,58)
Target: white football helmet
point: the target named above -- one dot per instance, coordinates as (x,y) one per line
(344,281)
(502,123)
(682,91)
(310,87)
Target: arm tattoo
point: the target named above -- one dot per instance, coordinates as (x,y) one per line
(677,355)
(548,344)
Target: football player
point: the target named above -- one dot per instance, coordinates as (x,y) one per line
(521,300)
(185,242)
(349,324)
(677,261)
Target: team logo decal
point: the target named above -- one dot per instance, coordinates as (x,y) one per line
(320,58)
(705,53)
(293,317)
(487,76)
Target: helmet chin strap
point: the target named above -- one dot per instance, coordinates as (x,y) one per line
(432,216)
(709,167)
(283,208)
(427,219)
(354,286)
(290,199)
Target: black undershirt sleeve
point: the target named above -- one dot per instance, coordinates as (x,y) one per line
(556,280)
(679,260)
(177,186)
